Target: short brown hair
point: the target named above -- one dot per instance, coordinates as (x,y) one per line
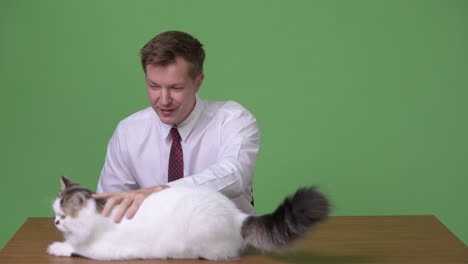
(164,48)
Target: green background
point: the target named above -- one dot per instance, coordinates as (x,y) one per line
(365,99)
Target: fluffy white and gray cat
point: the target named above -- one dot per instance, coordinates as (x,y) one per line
(179,222)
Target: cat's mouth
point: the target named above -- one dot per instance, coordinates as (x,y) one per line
(62,228)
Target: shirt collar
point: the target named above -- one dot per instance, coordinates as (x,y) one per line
(188,124)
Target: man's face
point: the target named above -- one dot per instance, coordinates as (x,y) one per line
(172,91)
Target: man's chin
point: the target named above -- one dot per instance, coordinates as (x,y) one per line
(167,120)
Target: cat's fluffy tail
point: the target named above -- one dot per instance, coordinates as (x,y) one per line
(289,222)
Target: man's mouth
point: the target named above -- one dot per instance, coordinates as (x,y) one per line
(166,112)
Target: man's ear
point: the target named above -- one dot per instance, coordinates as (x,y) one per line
(199,81)
(66,182)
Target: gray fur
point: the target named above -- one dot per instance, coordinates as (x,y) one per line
(289,222)
(73,197)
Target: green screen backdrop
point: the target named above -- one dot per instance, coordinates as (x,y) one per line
(365,99)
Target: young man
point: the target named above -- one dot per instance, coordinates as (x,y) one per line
(181,140)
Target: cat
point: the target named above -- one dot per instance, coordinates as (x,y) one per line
(180,222)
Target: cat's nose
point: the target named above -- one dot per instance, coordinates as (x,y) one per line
(57,222)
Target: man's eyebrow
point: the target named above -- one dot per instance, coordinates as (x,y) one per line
(172,85)
(177,84)
(151,83)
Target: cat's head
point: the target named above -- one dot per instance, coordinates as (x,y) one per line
(71,202)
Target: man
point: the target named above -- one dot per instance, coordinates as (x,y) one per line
(181,140)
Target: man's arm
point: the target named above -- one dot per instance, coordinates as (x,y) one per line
(230,175)
(116,174)
(235,166)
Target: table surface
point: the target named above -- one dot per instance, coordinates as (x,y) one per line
(341,239)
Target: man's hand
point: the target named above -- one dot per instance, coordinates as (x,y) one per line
(129,201)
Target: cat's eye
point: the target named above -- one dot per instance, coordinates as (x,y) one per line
(63,217)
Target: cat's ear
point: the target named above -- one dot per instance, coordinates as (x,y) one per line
(82,200)
(65,182)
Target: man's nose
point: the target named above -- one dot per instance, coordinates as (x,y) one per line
(165,97)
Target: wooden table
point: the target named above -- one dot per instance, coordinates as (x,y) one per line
(341,239)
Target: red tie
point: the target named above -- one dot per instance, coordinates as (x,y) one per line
(176,158)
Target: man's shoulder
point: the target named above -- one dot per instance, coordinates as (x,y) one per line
(222,112)
(140,118)
(226,107)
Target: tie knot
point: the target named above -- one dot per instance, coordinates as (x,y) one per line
(175,134)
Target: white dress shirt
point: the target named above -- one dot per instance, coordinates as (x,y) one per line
(220,143)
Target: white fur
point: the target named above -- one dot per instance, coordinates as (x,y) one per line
(177,222)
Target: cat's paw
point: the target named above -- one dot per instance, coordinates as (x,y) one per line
(60,249)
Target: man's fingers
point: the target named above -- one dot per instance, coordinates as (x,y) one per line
(124,205)
(134,208)
(131,212)
(103,195)
(109,205)
(129,202)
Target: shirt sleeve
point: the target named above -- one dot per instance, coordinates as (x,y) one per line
(115,174)
(233,172)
